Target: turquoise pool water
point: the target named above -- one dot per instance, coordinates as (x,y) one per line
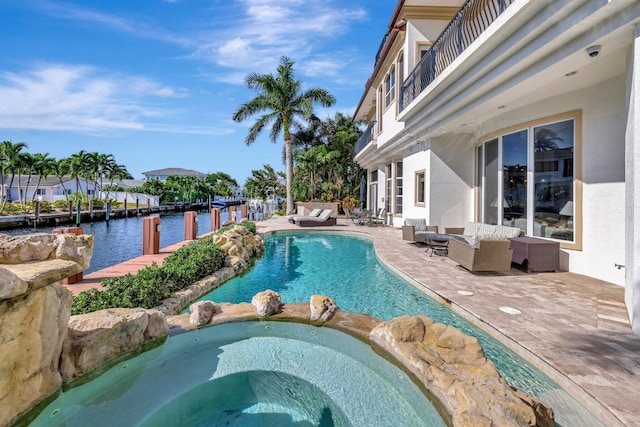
(249,374)
(346,269)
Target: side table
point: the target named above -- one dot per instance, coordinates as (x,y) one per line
(535,254)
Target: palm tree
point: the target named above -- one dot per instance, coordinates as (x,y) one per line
(116,171)
(282,100)
(60,170)
(11,154)
(79,167)
(43,166)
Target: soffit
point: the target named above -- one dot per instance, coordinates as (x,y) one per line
(429,12)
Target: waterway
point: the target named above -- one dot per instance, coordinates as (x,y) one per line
(121,239)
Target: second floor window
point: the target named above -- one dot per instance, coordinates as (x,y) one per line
(390,86)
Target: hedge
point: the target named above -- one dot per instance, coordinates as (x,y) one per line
(152,284)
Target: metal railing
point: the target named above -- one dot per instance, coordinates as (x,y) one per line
(473,18)
(366,137)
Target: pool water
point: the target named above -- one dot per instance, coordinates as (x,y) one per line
(346,269)
(249,374)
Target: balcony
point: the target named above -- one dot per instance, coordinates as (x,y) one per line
(366,137)
(473,18)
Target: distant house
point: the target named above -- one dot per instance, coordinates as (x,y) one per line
(49,189)
(163,174)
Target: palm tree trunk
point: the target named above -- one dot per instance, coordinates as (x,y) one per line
(289,164)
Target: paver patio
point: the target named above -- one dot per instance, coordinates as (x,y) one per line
(572,327)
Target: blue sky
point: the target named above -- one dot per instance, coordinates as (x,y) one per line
(155,82)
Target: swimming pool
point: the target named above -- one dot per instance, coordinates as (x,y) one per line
(298,265)
(249,374)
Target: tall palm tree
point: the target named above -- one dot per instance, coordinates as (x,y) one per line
(11,154)
(116,171)
(283,101)
(79,167)
(60,170)
(43,166)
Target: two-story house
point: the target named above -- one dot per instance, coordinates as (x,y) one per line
(515,112)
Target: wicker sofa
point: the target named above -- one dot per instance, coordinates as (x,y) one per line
(482,247)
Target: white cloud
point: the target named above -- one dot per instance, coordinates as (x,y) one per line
(81,98)
(261,31)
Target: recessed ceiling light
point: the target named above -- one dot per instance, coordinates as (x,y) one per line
(571,73)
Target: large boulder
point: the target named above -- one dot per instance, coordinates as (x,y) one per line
(32,329)
(239,245)
(266,303)
(321,309)
(453,367)
(30,262)
(97,337)
(202,312)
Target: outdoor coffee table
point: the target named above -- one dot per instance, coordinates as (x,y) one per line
(435,242)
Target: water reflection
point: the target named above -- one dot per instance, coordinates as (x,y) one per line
(122,239)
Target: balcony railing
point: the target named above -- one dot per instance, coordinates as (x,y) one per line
(473,18)
(366,137)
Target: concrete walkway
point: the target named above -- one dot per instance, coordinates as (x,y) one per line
(572,327)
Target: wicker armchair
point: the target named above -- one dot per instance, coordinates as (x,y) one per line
(485,255)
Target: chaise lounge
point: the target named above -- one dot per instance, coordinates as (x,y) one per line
(314,213)
(324,218)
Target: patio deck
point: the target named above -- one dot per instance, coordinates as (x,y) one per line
(572,327)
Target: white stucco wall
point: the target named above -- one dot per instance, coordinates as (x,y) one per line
(603,201)
(451,195)
(417,158)
(390,127)
(632,176)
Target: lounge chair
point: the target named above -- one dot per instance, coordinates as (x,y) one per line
(354,217)
(314,213)
(323,219)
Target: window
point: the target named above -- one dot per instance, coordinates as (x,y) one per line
(401,68)
(389,189)
(380,108)
(69,191)
(41,191)
(420,188)
(390,87)
(398,188)
(422,50)
(536,162)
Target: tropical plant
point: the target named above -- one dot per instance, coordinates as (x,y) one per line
(283,101)
(221,183)
(10,155)
(323,160)
(43,167)
(265,183)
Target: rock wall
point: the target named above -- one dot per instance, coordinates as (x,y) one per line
(34,312)
(449,363)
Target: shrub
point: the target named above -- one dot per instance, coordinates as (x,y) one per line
(149,286)
(251,226)
(61,204)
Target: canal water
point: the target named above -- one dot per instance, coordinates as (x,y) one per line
(121,240)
